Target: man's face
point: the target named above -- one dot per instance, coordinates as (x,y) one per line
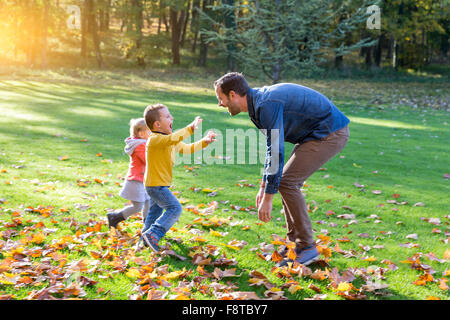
(229,102)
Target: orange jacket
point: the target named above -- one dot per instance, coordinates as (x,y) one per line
(136,168)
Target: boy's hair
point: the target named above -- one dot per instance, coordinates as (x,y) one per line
(151,114)
(137,125)
(232,81)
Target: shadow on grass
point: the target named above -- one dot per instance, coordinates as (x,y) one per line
(101,116)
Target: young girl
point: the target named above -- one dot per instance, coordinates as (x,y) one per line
(134,189)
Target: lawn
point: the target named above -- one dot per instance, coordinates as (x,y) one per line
(379,208)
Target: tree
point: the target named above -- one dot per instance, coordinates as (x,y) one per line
(204,25)
(92,28)
(178,13)
(409,24)
(276,37)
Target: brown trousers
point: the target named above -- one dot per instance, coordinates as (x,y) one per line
(305,159)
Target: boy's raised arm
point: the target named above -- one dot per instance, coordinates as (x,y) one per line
(196,146)
(173,138)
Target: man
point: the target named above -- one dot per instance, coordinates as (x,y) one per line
(299,115)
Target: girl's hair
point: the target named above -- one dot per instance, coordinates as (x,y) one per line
(137,125)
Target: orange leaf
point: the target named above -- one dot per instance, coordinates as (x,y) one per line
(447,255)
(318,275)
(291,254)
(276,257)
(443,284)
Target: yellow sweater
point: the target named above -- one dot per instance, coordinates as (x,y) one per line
(160,151)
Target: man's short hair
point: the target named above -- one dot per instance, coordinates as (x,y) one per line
(232,81)
(151,114)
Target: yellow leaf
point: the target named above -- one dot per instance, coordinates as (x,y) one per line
(344,286)
(294,288)
(133,273)
(199,239)
(370,259)
(447,255)
(173,275)
(38,238)
(215,233)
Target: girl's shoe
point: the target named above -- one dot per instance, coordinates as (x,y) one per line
(114,218)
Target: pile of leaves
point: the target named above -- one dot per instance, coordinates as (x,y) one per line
(51,264)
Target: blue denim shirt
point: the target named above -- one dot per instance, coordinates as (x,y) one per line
(293,113)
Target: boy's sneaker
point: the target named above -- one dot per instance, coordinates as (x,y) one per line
(305,257)
(114,218)
(151,241)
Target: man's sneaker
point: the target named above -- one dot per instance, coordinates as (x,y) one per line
(305,257)
(114,218)
(151,241)
(283,253)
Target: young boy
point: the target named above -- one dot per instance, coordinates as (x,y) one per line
(165,209)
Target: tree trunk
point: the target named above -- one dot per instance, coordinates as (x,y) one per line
(104,14)
(230,23)
(195,23)
(44,61)
(203,51)
(138,19)
(176,24)
(203,54)
(185,23)
(338,62)
(92,26)
(33,35)
(84,28)
(378,52)
(368,58)
(395,55)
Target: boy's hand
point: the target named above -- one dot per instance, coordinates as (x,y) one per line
(195,123)
(210,137)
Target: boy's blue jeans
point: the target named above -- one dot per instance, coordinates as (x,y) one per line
(165,209)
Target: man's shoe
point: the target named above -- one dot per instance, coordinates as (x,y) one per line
(114,218)
(151,241)
(282,253)
(305,257)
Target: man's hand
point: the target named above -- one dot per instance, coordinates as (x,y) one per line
(260,194)
(265,207)
(195,123)
(210,137)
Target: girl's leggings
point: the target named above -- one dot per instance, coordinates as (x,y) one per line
(136,207)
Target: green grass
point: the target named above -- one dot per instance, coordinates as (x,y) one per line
(398,144)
